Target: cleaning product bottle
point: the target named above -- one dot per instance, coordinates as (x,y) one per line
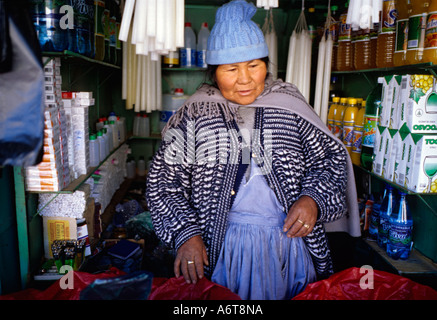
(188,52)
(202,41)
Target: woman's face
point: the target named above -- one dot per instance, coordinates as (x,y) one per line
(241,82)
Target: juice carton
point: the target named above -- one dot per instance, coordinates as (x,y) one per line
(422,174)
(395,82)
(418,103)
(386,100)
(390,145)
(402,156)
(378,150)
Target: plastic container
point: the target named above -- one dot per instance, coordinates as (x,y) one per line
(102,145)
(386,35)
(362,50)
(105,22)
(171,60)
(349,117)
(188,52)
(112,116)
(400,54)
(400,236)
(358,135)
(334,30)
(141,167)
(384,216)
(371,120)
(121,123)
(130,168)
(374,220)
(430,51)
(109,136)
(338,119)
(113,31)
(202,41)
(114,129)
(99,33)
(170,104)
(94,147)
(144,126)
(136,127)
(373,44)
(416,30)
(82,234)
(332,112)
(83,41)
(344,51)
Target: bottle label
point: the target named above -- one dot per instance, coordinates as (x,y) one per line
(431,30)
(201,59)
(357,139)
(99,15)
(401,35)
(389,14)
(348,132)
(369,130)
(187,57)
(383,228)
(416,31)
(345,32)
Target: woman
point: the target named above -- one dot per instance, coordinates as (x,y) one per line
(247,175)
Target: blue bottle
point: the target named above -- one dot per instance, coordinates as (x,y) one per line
(374,221)
(401,230)
(384,216)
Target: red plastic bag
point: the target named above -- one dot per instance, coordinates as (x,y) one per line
(178,289)
(361,284)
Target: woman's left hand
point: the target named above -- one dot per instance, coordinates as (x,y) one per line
(301,217)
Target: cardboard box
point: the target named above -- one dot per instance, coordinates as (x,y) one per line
(378,150)
(57,228)
(403,152)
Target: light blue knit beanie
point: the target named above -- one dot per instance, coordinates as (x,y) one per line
(235,37)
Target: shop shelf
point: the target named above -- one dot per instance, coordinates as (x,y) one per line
(71,54)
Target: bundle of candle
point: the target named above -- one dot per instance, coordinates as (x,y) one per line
(324,61)
(267,4)
(299,57)
(362,14)
(272,43)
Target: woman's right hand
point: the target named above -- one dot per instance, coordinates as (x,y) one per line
(190,258)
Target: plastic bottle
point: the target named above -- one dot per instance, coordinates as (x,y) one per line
(99,33)
(46,18)
(334,30)
(416,30)
(400,237)
(102,145)
(386,35)
(130,168)
(430,51)
(371,120)
(362,50)
(121,123)
(141,167)
(374,220)
(170,104)
(373,44)
(105,22)
(83,20)
(94,151)
(107,141)
(202,41)
(136,127)
(332,112)
(171,60)
(357,139)
(384,216)
(99,124)
(350,114)
(113,32)
(344,51)
(145,126)
(109,136)
(188,52)
(338,118)
(114,129)
(400,54)
(112,116)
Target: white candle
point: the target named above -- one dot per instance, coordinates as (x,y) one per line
(290,66)
(327,79)
(151,18)
(319,76)
(126,21)
(179,25)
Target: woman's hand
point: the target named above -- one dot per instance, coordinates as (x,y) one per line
(301,217)
(190,258)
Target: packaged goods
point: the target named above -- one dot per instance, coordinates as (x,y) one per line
(416,30)
(344,51)
(430,51)
(202,42)
(384,216)
(188,52)
(349,117)
(386,35)
(400,54)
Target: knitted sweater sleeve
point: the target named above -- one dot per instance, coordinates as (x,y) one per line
(326,174)
(168,191)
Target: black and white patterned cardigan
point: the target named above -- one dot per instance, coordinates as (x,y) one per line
(188,198)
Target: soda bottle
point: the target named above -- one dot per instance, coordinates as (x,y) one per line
(416,30)
(384,216)
(332,112)
(349,117)
(374,220)
(386,35)
(188,52)
(401,230)
(338,118)
(430,51)
(362,50)
(99,32)
(344,51)
(371,120)
(358,135)
(400,54)
(202,41)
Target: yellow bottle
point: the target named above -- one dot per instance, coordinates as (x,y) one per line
(416,30)
(332,112)
(350,114)
(358,135)
(338,120)
(400,54)
(430,51)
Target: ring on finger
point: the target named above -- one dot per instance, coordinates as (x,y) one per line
(306,226)
(298,220)
(190,262)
